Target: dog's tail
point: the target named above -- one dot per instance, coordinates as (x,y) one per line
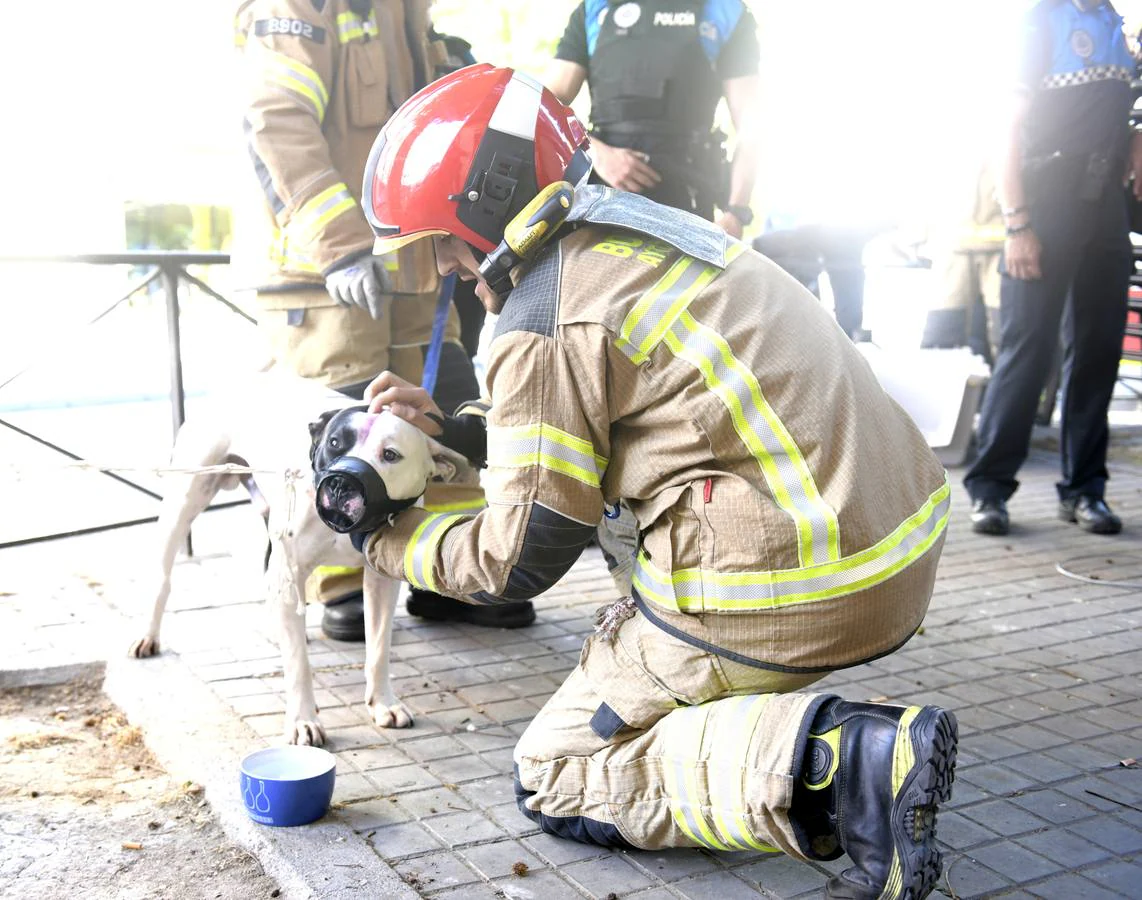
(257,499)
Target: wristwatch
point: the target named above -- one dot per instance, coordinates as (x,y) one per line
(742,213)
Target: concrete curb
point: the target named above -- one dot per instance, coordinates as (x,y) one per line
(178,715)
(49,676)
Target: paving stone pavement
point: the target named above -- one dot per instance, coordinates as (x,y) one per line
(1043,671)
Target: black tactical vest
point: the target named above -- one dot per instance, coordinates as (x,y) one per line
(649,73)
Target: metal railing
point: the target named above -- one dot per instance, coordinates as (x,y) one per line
(168,269)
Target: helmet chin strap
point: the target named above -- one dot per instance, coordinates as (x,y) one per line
(526,234)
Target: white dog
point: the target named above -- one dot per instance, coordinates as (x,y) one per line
(270,435)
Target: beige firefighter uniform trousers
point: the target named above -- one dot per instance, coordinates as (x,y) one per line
(704,757)
(338,346)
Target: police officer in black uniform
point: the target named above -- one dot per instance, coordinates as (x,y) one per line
(1067,258)
(656,72)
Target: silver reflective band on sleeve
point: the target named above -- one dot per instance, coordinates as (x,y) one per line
(420,553)
(548,447)
(321,209)
(298,79)
(697,590)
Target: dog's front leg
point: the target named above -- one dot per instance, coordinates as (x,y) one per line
(381,595)
(286,583)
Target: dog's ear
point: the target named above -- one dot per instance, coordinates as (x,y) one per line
(316,430)
(450,466)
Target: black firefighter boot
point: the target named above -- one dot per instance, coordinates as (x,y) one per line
(872,780)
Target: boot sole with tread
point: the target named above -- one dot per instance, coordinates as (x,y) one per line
(930,745)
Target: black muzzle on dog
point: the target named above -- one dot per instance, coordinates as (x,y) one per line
(352,497)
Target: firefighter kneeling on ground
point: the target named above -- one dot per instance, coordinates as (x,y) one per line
(790,515)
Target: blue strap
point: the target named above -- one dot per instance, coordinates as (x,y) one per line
(432,358)
(719,19)
(592,11)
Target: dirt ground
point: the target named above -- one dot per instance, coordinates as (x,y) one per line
(85,811)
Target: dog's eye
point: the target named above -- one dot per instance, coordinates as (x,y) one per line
(334,443)
(390,455)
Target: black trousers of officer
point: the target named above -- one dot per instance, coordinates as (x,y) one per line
(1086,264)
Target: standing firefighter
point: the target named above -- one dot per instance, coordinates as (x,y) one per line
(790,515)
(320,77)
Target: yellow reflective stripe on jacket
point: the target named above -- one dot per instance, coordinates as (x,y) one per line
(785,470)
(738,717)
(318,211)
(658,308)
(684,730)
(351,27)
(548,447)
(695,590)
(470,507)
(734,250)
(300,80)
(661,316)
(420,553)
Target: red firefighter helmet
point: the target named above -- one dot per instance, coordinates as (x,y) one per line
(464,155)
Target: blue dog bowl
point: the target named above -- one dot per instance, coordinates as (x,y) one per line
(288,785)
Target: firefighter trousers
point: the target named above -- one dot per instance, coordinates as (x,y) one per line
(653,743)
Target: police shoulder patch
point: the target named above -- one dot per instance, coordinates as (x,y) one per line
(289,27)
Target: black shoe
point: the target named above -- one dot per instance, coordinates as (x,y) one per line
(427,605)
(1091,513)
(344,618)
(989,517)
(876,775)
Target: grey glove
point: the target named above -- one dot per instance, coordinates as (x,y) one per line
(361,281)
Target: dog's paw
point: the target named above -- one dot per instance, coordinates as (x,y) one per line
(394,716)
(144,647)
(307,732)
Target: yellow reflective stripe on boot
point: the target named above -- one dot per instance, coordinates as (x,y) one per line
(300,80)
(695,590)
(738,716)
(757,424)
(903,759)
(327,205)
(548,447)
(420,553)
(683,739)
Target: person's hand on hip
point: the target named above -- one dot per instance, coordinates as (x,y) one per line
(359,280)
(628,170)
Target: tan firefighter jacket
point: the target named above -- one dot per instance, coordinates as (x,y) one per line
(790,513)
(320,78)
